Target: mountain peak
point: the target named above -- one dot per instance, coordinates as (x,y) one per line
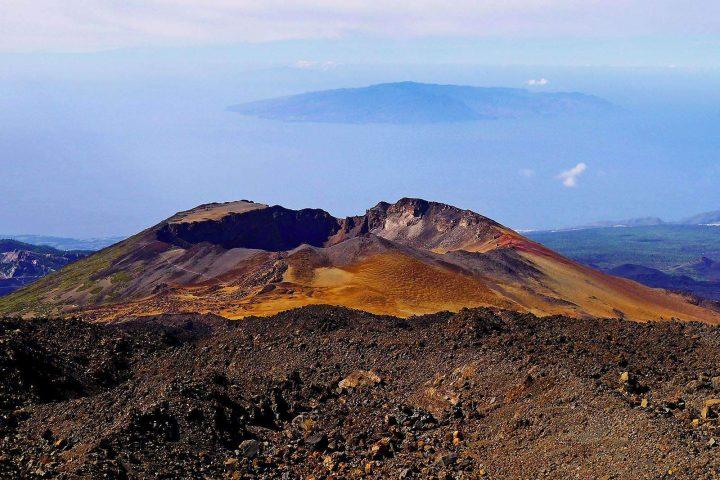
(216,211)
(417,205)
(409,257)
(245,224)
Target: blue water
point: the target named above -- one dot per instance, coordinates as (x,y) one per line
(92,154)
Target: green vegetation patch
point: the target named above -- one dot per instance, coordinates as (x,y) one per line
(120,278)
(76,276)
(662,246)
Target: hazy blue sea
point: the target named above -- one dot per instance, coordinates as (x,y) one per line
(109,152)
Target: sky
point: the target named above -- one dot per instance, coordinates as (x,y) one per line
(113,114)
(81,25)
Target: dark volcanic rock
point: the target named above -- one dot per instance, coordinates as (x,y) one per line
(477,394)
(273,229)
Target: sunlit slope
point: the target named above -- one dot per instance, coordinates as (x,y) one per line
(58,291)
(412,257)
(597,294)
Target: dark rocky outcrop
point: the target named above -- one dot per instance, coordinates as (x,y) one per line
(273,229)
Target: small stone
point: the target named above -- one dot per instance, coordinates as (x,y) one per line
(317,442)
(692,386)
(304,422)
(696,422)
(328,462)
(359,378)
(230,462)
(710,408)
(644,403)
(629,383)
(447,460)
(381,449)
(249,448)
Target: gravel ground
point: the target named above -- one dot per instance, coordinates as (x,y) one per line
(324,392)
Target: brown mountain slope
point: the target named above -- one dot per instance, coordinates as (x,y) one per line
(412,257)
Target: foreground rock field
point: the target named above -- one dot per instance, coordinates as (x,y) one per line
(325,392)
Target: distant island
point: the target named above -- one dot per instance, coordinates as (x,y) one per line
(418,103)
(705,218)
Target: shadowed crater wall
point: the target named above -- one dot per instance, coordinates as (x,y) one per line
(273,229)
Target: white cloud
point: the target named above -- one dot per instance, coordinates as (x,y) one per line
(569,177)
(304,64)
(537,81)
(86,25)
(527,172)
(315,65)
